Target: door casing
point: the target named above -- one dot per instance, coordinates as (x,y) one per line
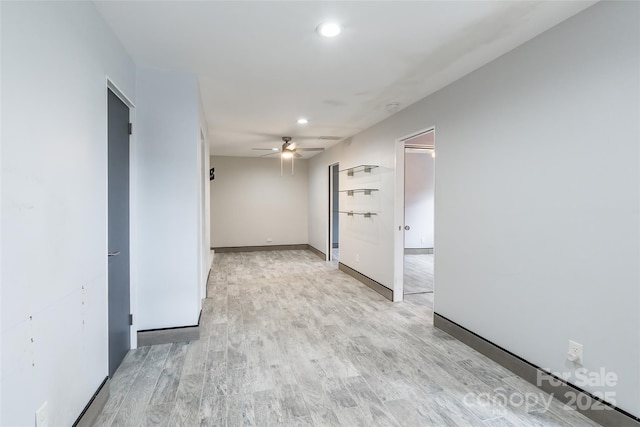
(398,215)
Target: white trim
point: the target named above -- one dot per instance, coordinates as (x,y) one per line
(124,98)
(398,215)
(133,214)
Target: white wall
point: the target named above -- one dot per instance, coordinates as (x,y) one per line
(251,202)
(204,232)
(168,188)
(55,59)
(537,196)
(418,199)
(369,240)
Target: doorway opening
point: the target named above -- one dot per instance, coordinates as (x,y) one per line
(333,253)
(415,179)
(418,219)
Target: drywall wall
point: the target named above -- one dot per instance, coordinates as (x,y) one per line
(366,244)
(252,203)
(55,60)
(168,199)
(418,199)
(537,223)
(1,276)
(204,215)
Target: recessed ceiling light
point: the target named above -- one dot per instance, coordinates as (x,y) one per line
(329,29)
(275,149)
(392,106)
(302,121)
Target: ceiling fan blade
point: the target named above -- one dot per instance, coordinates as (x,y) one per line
(292,146)
(309,149)
(270,154)
(297,155)
(264,149)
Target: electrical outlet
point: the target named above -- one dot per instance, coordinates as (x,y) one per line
(269,239)
(575,353)
(42,416)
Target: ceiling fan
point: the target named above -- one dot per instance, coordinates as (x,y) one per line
(289,150)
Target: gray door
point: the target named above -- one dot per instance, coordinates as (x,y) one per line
(118,135)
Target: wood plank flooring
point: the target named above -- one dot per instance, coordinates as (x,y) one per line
(418,273)
(289,340)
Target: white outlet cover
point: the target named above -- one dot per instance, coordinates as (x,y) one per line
(576,350)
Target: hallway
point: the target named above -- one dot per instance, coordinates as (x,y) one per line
(287,339)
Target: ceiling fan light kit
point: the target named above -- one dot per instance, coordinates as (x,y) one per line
(287,153)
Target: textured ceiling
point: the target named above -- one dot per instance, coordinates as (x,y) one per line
(261,65)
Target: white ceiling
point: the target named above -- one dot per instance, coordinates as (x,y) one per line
(261,65)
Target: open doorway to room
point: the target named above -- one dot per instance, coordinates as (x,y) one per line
(333,254)
(418,219)
(415,211)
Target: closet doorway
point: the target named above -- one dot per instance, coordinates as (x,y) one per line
(333,254)
(418,219)
(415,209)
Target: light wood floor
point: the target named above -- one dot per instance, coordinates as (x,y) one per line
(289,340)
(418,273)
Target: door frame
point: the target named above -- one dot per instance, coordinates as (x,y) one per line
(133,283)
(331,212)
(398,214)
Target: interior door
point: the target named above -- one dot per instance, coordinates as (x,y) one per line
(118,211)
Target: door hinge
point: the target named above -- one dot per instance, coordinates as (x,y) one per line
(130,128)
(131,320)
